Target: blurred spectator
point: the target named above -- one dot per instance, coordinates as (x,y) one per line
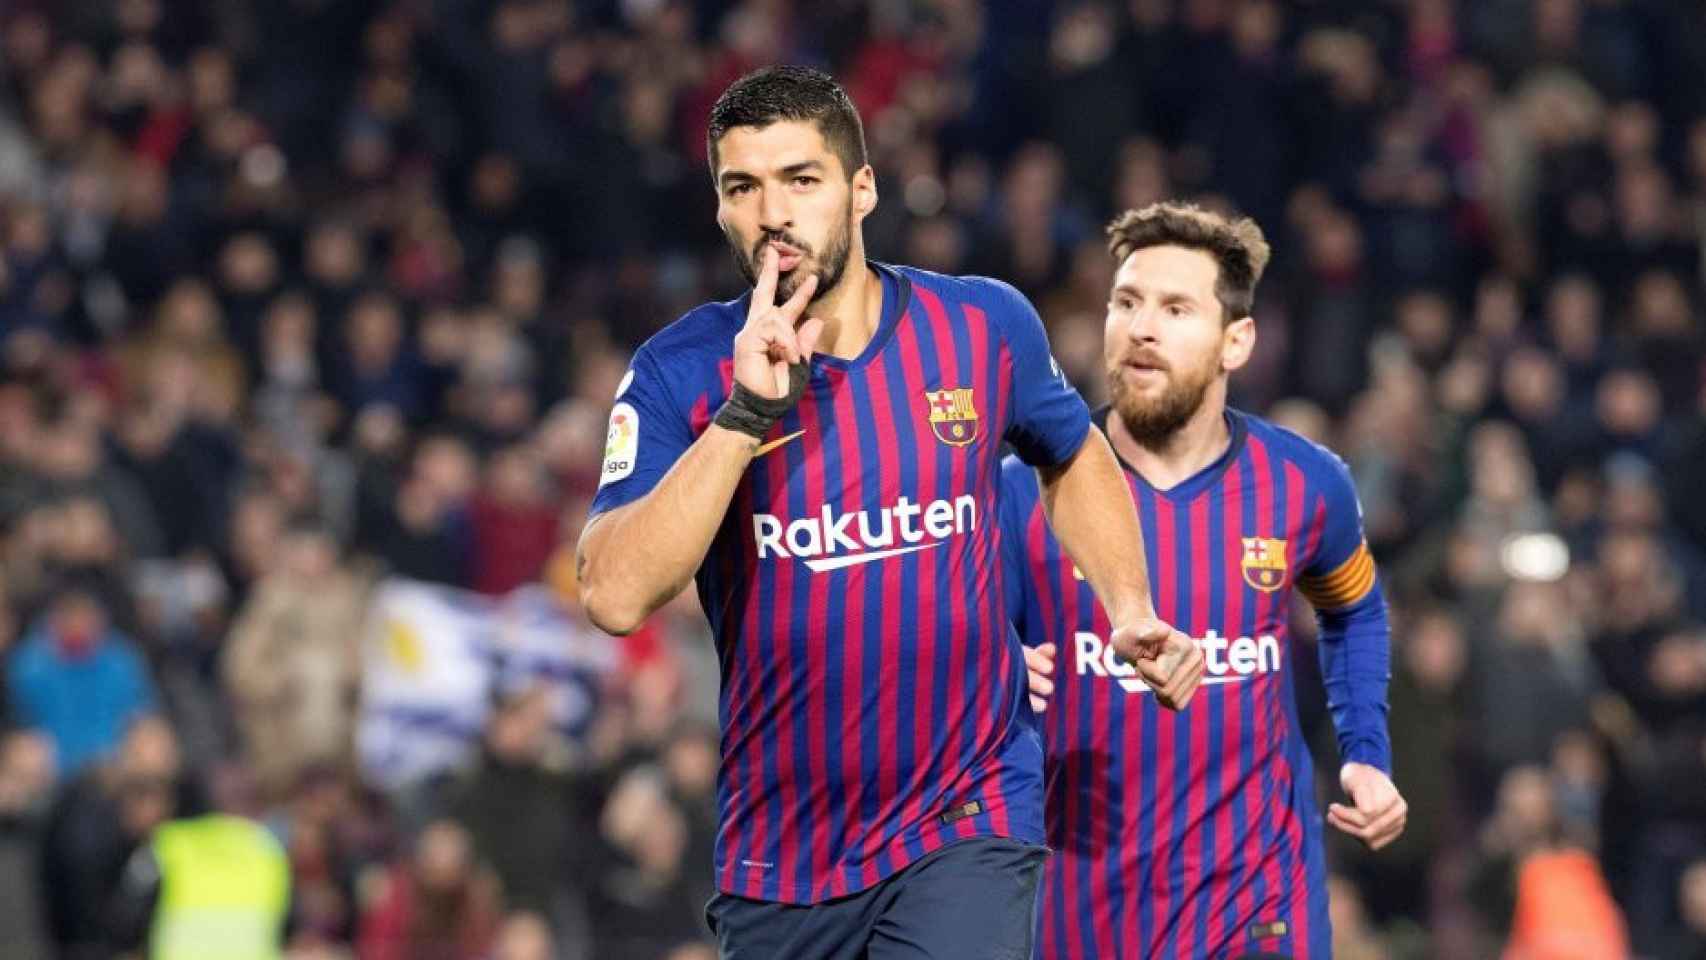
(1564,910)
(71,461)
(1033,226)
(1523,820)
(418,523)
(217,881)
(335,262)
(292,662)
(1689,943)
(96,823)
(1533,388)
(642,904)
(690,762)
(1354,937)
(26,789)
(441,903)
(379,366)
(78,680)
(1330,306)
(1642,600)
(1428,697)
(524,936)
(1534,681)
(526,816)
(514,521)
(178,454)
(80,545)
(330,840)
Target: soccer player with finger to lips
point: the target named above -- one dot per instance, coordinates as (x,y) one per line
(821,458)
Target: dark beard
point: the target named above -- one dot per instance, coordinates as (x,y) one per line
(832,266)
(1152,425)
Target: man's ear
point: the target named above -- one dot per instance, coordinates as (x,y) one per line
(1237,342)
(864,192)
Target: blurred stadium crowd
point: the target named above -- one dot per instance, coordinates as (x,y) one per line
(301,297)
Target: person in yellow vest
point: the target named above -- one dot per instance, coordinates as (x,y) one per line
(208,887)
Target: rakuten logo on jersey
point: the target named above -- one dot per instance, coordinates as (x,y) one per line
(832,539)
(1227,661)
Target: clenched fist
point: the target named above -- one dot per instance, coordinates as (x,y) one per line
(1167,660)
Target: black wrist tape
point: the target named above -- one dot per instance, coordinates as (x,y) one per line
(747,412)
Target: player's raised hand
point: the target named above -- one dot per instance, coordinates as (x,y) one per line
(1039,665)
(773,337)
(1176,672)
(1377,812)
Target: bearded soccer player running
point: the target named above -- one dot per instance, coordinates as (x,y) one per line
(1195,834)
(880,793)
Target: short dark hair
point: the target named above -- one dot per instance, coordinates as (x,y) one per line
(800,94)
(1237,246)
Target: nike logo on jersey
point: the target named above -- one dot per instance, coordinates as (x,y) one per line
(765,448)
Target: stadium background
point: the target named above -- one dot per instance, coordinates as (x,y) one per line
(311,312)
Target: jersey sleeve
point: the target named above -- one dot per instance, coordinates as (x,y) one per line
(648,432)
(1341,572)
(1355,646)
(1050,419)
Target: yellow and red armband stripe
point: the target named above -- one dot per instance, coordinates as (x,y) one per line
(1343,586)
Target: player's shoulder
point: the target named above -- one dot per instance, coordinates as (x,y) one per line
(680,364)
(707,330)
(997,298)
(1317,461)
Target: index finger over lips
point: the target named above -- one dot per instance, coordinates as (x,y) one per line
(769,269)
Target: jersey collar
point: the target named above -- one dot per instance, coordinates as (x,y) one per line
(897,295)
(1202,479)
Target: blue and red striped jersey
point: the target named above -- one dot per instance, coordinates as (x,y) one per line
(873,698)
(1194,834)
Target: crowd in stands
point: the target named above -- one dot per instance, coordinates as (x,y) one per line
(306,303)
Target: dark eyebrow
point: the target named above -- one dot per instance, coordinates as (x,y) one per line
(792,170)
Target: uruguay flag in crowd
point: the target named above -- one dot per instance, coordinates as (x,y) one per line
(435,658)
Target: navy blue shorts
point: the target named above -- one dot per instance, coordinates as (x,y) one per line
(974,899)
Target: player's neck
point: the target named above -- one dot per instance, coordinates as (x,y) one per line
(1190,449)
(851,311)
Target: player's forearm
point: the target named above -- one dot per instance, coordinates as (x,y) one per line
(637,557)
(1356,661)
(1090,509)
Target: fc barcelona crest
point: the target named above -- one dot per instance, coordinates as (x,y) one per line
(953,415)
(1264,563)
